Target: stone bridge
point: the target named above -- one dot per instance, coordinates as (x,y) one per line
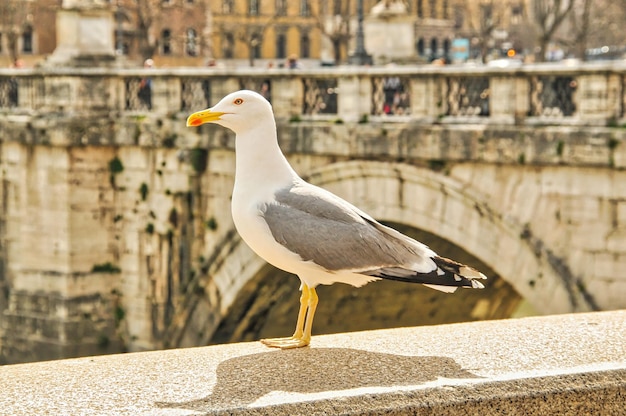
(115,227)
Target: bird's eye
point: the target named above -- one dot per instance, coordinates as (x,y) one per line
(238,101)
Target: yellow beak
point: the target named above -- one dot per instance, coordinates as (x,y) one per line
(204,116)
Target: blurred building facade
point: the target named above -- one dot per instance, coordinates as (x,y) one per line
(200,32)
(196,32)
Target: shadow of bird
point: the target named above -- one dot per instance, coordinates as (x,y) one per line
(243,380)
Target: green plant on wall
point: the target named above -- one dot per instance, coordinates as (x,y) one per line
(173,217)
(170,140)
(211,224)
(436,165)
(612,144)
(143,191)
(198,159)
(107,267)
(103,341)
(120,314)
(115,167)
(559,148)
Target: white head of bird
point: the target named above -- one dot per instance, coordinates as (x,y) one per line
(239,111)
(250,116)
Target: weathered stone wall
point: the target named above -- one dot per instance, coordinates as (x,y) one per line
(99,230)
(115,233)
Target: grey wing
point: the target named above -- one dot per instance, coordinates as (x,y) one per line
(323,228)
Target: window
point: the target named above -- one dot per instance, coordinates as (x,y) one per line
(253,7)
(420,8)
(337,7)
(433,8)
(305,45)
(192,43)
(227,7)
(433,48)
(459,18)
(27,40)
(304,8)
(166,42)
(256,45)
(486,11)
(420,46)
(517,13)
(228,43)
(281,7)
(281,46)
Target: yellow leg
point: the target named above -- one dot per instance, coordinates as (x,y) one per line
(302,335)
(304,305)
(312,306)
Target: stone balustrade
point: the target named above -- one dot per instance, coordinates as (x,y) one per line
(587,94)
(564,364)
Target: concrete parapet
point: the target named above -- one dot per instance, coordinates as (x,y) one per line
(561,364)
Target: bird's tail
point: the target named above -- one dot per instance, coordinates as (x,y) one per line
(447,277)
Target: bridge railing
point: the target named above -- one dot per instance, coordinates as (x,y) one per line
(547,93)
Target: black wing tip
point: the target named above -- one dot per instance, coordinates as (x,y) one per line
(460,269)
(448,273)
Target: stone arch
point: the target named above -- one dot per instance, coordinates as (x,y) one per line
(423,199)
(441,205)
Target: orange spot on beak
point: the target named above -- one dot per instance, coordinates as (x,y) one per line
(204,116)
(195,122)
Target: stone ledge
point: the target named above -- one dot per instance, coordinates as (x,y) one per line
(562,364)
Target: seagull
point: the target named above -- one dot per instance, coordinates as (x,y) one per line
(307,230)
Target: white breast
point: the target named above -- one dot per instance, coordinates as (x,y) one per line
(254,231)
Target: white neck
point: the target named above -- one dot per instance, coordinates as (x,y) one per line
(261,162)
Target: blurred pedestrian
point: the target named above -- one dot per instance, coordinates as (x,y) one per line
(266,90)
(292,62)
(145,86)
(13,87)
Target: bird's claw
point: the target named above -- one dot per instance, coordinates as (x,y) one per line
(302,335)
(286,343)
